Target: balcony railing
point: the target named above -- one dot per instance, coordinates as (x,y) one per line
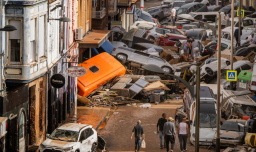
(99,14)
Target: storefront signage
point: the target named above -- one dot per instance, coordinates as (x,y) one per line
(76,71)
(57,80)
(116,26)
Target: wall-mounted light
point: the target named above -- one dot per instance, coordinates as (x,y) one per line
(8,28)
(62,19)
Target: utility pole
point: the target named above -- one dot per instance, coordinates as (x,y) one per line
(239,33)
(232,39)
(197,108)
(218,86)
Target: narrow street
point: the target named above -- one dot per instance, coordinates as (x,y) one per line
(118,129)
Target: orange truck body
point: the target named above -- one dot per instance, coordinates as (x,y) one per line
(101,69)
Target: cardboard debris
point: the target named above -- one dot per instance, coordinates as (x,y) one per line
(226,54)
(178,60)
(155,86)
(206,42)
(172,48)
(202,59)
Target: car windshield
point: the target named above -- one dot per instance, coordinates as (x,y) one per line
(177,4)
(146,17)
(232,126)
(192,14)
(207,120)
(64,135)
(182,11)
(244,110)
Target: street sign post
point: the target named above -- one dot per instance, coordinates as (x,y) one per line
(242,12)
(231,75)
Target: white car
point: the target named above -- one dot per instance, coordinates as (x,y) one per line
(246,32)
(208,117)
(143,24)
(71,137)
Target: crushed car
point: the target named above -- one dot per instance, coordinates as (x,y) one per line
(231,134)
(72,137)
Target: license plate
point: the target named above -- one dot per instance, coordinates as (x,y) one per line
(242,85)
(204,143)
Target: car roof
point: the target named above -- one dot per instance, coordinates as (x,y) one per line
(73,126)
(238,63)
(205,13)
(244,100)
(205,92)
(236,120)
(189,5)
(207,107)
(151,8)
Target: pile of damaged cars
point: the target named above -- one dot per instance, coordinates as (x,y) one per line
(122,79)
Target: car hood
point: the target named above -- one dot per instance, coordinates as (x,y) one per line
(58,143)
(207,134)
(231,134)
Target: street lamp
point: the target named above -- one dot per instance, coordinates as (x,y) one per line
(62,19)
(8,28)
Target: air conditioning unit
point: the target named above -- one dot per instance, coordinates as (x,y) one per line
(79,34)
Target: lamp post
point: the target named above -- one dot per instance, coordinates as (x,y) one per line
(62,19)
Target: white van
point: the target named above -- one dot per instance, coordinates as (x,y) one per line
(209,16)
(208,114)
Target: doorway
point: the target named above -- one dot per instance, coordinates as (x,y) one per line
(22,132)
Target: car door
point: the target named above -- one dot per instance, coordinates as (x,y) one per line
(139,57)
(86,140)
(82,139)
(156,60)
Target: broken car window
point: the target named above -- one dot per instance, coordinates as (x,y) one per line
(64,135)
(243,110)
(232,126)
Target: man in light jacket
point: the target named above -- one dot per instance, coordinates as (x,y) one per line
(169,133)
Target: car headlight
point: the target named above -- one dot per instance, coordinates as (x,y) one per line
(68,149)
(41,146)
(194,135)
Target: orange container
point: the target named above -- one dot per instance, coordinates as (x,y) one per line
(101,69)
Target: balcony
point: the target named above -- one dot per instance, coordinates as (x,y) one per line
(99,14)
(123,3)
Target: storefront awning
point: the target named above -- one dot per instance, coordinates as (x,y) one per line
(94,39)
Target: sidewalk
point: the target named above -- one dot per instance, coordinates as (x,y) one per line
(92,116)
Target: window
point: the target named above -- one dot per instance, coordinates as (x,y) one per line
(94,69)
(210,17)
(103,3)
(196,7)
(15,42)
(41,37)
(141,53)
(157,58)
(94,3)
(158,30)
(82,136)
(223,46)
(198,17)
(33,40)
(191,9)
(246,67)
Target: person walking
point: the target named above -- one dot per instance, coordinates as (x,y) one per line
(195,49)
(160,128)
(226,17)
(173,15)
(252,39)
(169,133)
(183,134)
(139,135)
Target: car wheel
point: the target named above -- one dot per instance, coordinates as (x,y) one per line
(209,71)
(228,63)
(166,69)
(94,148)
(151,38)
(121,57)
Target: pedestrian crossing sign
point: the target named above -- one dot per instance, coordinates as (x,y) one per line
(231,75)
(242,12)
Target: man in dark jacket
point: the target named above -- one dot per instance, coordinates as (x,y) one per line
(139,135)
(160,124)
(236,34)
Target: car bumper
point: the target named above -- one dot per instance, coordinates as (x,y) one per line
(202,143)
(226,142)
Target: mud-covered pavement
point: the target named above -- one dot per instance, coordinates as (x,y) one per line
(117,132)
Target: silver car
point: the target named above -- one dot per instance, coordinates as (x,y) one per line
(124,54)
